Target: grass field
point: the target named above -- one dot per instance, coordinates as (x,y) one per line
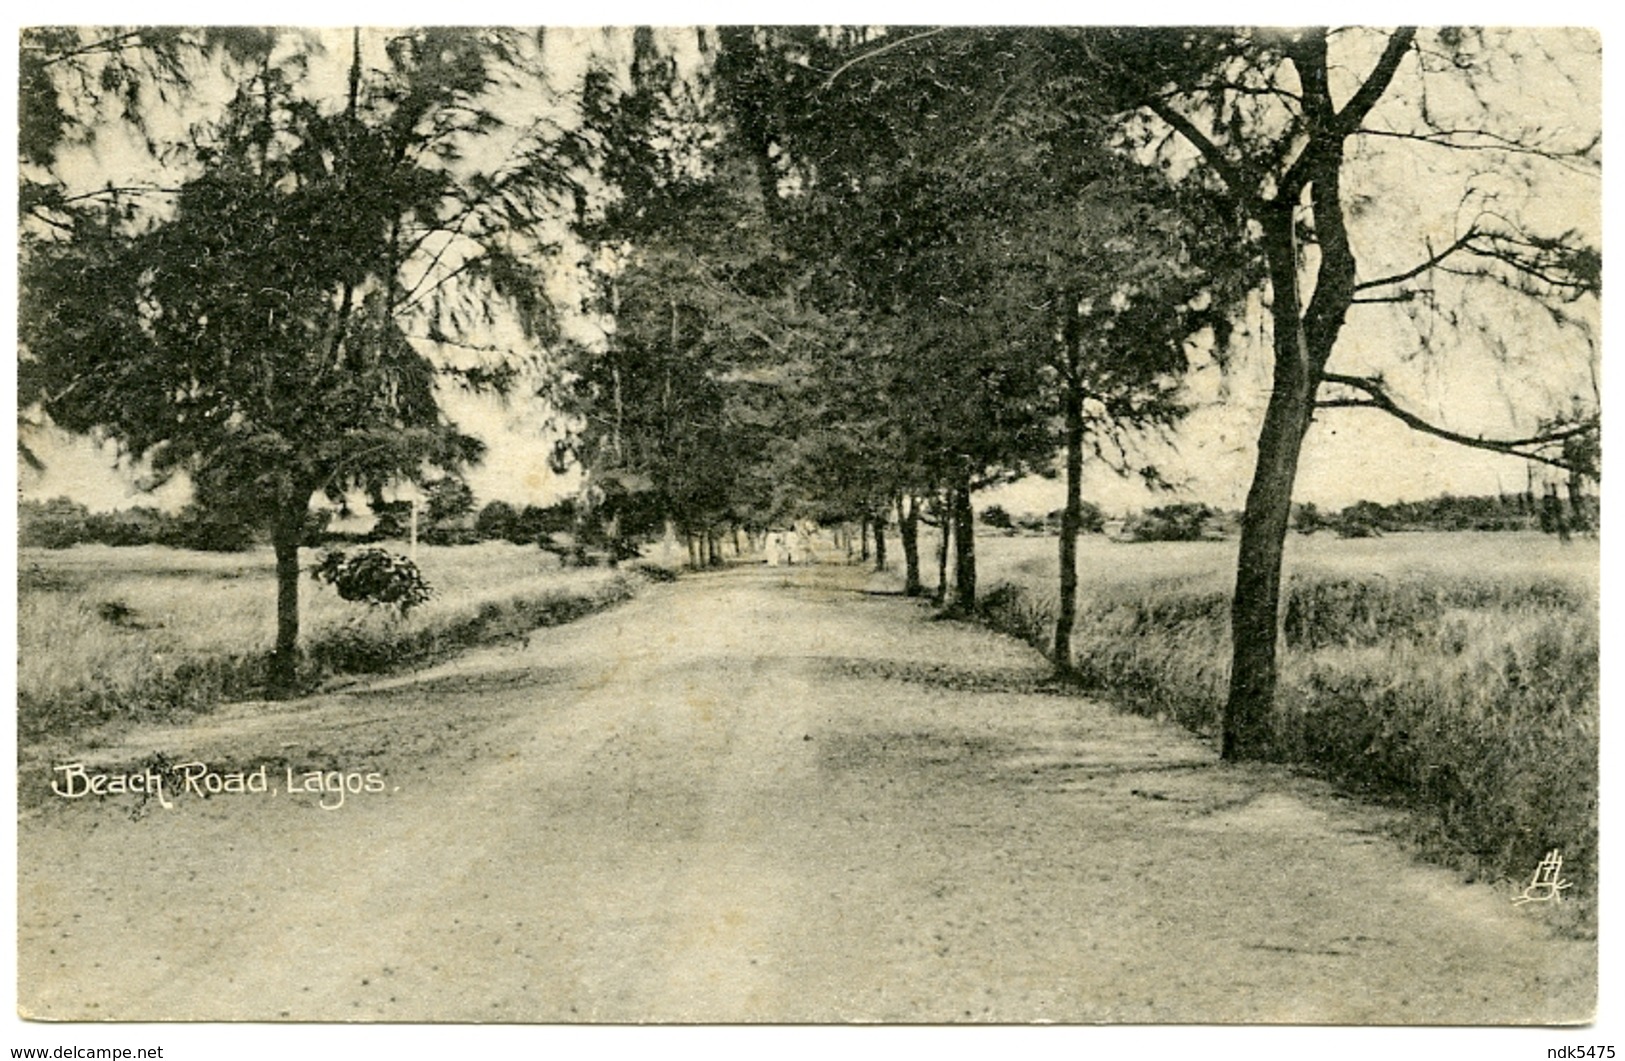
(128,634)
(1457,673)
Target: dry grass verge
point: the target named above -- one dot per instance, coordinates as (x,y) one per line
(1457,674)
(109,636)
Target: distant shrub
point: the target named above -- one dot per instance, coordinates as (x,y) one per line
(449,534)
(450,500)
(1091,520)
(1352,527)
(1170,523)
(375,576)
(1307,519)
(141,525)
(55,524)
(206,530)
(1364,519)
(996,517)
(496,520)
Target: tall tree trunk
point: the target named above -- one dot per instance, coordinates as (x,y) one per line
(944,532)
(908,529)
(1072,514)
(964,521)
(1255,608)
(880,541)
(288,526)
(863,533)
(1302,341)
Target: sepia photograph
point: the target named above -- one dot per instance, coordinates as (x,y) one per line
(817,524)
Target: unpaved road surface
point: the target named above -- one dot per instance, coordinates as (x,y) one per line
(762,795)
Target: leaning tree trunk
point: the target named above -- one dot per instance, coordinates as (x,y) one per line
(964,521)
(1071,515)
(287,528)
(908,529)
(1255,609)
(1301,343)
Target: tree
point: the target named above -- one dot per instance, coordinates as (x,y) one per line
(678,412)
(267,326)
(1285,122)
(74,82)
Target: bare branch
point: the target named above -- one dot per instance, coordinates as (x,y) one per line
(1379,300)
(1484,140)
(1433,260)
(132,189)
(1377,397)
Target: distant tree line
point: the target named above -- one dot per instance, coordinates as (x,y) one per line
(61,523)
(1553,514)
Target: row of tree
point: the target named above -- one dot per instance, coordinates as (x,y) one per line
(847,274)
(954,253)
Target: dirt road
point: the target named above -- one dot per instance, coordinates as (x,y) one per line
(763,795)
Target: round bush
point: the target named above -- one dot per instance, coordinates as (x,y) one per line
(376,576)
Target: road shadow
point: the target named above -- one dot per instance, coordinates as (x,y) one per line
(948,677)
(470,681)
